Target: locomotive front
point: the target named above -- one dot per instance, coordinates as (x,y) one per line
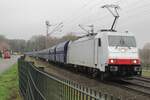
(123,58)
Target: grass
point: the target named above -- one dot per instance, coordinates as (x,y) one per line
(9,84)
(146,73)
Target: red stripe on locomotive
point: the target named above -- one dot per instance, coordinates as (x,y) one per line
(124,61)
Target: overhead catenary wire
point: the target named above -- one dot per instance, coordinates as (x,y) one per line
(140,12)
(84,29)
(141,8)
(134,8)
(103,17)
(80,15)
(136,11)
(75,19)
(56,28)
(76,13)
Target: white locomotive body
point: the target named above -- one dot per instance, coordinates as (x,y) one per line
(110,53)
(81,52)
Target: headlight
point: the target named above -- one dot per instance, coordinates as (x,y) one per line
(112,61)
(135,61)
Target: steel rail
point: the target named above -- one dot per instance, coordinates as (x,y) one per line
(136,88)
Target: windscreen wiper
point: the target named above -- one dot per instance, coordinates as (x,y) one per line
(118,43)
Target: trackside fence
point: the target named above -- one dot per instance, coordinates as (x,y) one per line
(35,84)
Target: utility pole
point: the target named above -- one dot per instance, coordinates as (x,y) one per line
(47,32)
(48,25)
(113,9)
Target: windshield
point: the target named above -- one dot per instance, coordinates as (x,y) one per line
(122,41)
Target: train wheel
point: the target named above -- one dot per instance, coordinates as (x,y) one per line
(94,73)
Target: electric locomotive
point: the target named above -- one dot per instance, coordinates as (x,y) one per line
(107,53)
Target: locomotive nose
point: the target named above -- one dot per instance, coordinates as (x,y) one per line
(123,53)
(123,61)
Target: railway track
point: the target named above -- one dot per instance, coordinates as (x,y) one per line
(146,79)
(125,93)
(137,84)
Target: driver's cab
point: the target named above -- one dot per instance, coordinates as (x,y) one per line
(117,49)
(122,46)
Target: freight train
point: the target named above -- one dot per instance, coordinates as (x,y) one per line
(105,54)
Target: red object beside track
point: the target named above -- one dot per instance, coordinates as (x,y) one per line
(7,55)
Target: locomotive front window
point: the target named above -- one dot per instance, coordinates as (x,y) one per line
(122,41)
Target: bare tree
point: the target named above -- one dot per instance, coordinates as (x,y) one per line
(36,43)
(145,55)
(2,38)
(3,43)
(17,45)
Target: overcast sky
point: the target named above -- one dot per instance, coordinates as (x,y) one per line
(25,18)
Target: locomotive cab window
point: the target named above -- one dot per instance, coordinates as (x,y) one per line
(122,41)
(99,42)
